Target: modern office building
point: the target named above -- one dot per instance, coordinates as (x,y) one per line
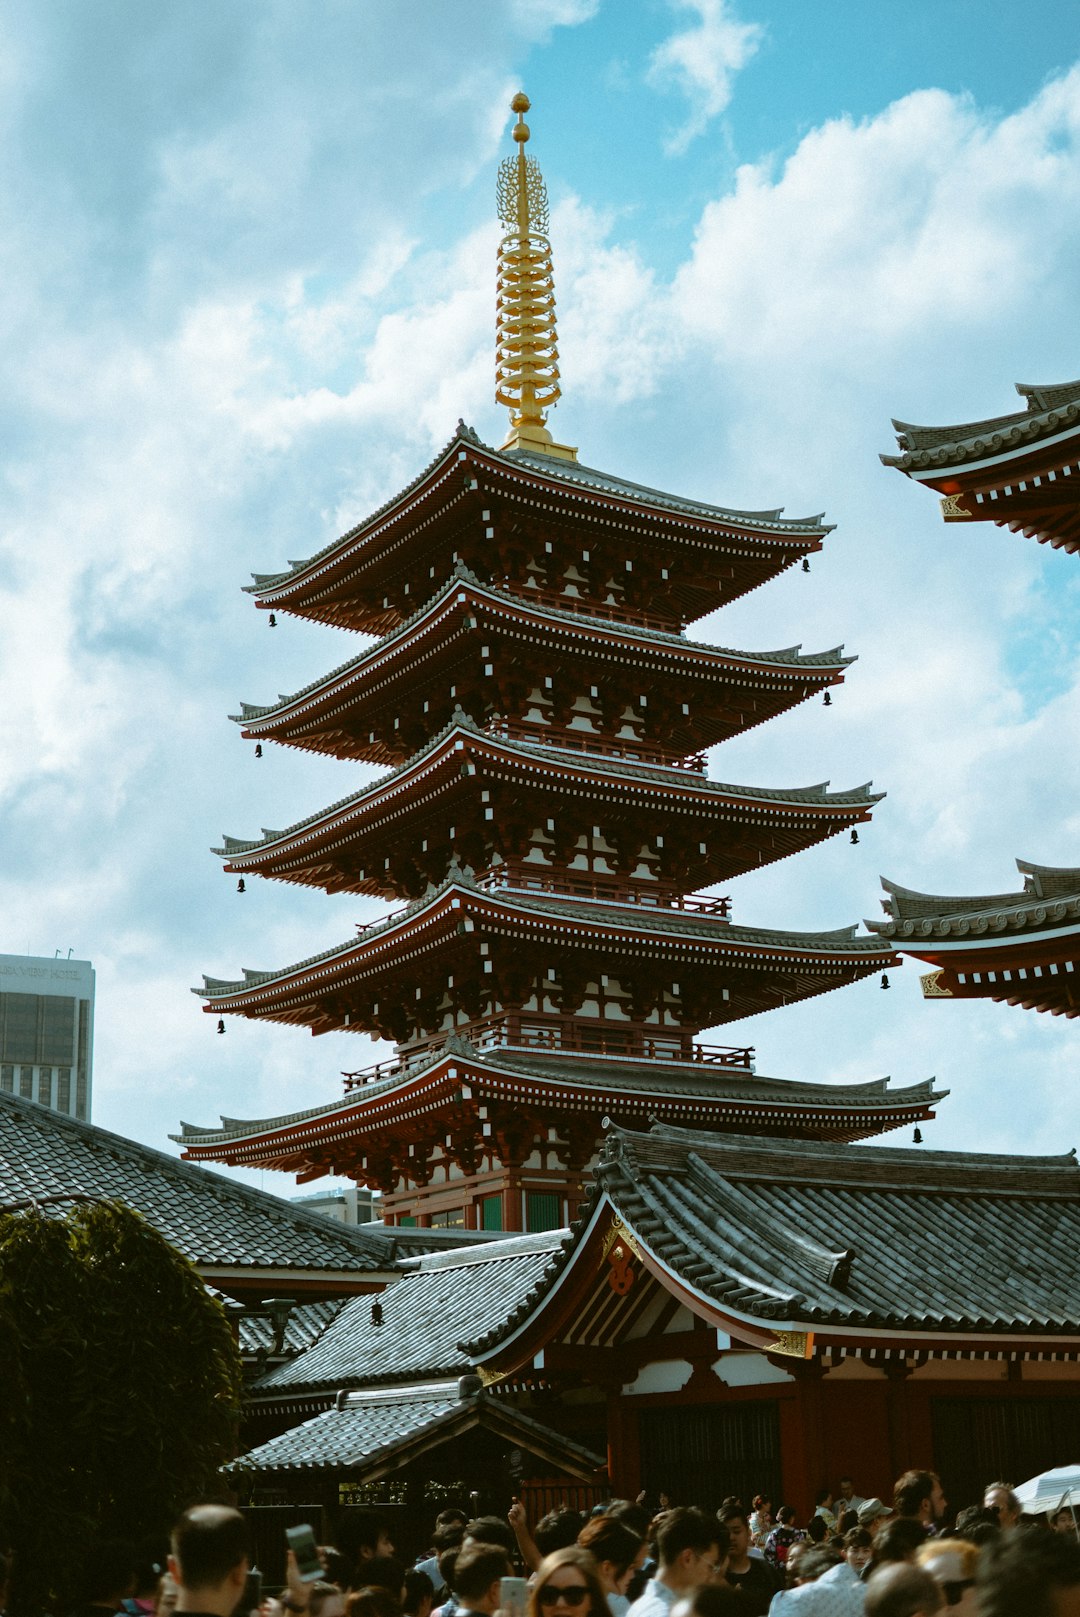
(47,1031)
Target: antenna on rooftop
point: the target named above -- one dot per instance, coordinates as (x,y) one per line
(526,342)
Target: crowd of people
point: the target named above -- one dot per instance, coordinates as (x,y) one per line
(853,1557)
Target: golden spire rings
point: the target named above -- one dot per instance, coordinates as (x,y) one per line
(527,354)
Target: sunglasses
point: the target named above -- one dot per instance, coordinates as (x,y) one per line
(573,1594)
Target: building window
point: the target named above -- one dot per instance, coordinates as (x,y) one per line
(491,1213)
(452,1219)
(26,1083)
(63,1090)
(543,1211)
(7,1079)
(44,1086)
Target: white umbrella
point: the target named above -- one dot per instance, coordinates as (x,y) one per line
(1050,1489)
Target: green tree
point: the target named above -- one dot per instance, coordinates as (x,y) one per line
(120,1390)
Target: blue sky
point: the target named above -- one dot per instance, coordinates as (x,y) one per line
(247,259)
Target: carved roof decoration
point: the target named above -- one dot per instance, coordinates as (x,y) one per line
(1051,411)
(1050,898)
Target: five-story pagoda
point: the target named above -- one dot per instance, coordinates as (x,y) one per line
(545,816)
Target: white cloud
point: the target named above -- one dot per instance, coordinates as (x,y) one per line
(701,61)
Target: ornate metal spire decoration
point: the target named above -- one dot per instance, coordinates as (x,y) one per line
(527,354)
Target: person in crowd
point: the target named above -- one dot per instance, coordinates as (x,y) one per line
(846,1497)
(618,1554)
(902,1591)
(165,1602)
(761,1520)
(823,1507)
(479,1568)
(362,1535)
(209,1561)
(1064,1521)
(806,1563)
(688,1553)
(385,1572)
(817,1592)
(897,1541)
(977,1525)
(336,1565)
(873,1515)
(951,1562)
(325,1600)
(448,1534)
(1000,1497)
(858,1546)
(1029,1573)
(567,1585)
(754,1577)
(846,1522)
(419,1594)
(917,1496)
(784,1536)
(817,1529)
(492,1530)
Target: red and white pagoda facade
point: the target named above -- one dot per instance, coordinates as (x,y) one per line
(546,819)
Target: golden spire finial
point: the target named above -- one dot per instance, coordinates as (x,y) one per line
(527,355)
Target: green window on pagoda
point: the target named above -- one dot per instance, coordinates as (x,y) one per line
(407,1221)
(491,1213)
(543,1211)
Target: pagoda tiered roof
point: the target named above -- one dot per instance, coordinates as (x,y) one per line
(736,970)
(737,1229)
(363,843)
(464,647)
(490,506)
(1021,948)
(468,1087)
(1021,471)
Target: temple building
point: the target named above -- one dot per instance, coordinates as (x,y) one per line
(1021,471)
(1020,948)
(546,822)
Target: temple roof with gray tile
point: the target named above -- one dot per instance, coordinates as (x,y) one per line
(423,1317)
(372,1433)
(232,1233)
(943,1244)
(1050,899)
(1050,412)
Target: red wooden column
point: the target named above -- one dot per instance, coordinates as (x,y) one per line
(624,1445)
(896,1400)
(802,1447)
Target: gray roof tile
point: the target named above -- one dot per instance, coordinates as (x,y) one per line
(938,1241)
(425,1315)
(212,1221)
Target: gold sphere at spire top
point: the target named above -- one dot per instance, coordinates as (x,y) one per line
(520,103)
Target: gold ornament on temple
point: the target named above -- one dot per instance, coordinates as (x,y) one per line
(526,342)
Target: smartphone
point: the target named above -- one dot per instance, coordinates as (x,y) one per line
(252,1599)
(301,1540)
(513,1597)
